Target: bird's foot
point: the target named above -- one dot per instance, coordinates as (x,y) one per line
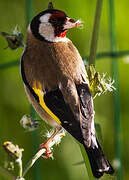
(48,153)
(48,145)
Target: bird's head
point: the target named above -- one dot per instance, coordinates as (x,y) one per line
(52,25)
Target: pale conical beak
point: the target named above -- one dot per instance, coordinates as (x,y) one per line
(70,23)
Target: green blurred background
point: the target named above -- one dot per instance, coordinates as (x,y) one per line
(14,104)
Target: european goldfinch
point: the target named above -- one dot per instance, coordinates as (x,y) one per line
(57,85)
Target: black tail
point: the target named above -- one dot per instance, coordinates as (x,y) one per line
(98,161)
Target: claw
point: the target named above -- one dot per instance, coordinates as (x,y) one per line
(48,153)
(47,156)
(46,145)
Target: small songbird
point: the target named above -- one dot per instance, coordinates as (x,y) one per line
(57,85)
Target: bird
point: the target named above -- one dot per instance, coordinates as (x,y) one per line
(57,85)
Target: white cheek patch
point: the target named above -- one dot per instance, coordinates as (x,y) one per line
(46,30)
(45,18)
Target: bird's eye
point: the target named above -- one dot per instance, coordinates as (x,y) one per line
(53,20)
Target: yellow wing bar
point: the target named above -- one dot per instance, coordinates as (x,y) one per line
(40,94)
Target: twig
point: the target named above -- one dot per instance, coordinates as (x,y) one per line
(19,162)
(32,161)
(95,33)
(56,140)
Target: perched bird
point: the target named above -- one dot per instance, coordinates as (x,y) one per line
(57,85)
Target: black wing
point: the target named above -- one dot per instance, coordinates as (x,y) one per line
(55,102)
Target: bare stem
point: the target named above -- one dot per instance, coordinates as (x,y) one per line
(55,140)
(19,162)
(32,161)
(95,33)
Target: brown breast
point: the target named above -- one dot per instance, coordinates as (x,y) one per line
(51,63)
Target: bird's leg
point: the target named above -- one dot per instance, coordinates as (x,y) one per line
(46,145)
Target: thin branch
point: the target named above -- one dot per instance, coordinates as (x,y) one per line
(95,33)
(55,140)
(32,161)
(19,162)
